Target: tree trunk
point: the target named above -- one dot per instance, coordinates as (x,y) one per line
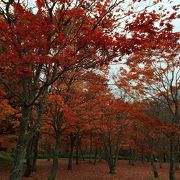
(172,169)
(160,160)
(29,158)
(111,163)
(95,156)
(109,156)
(77,151)
(31,155)
(153,164)
(54,167)
(177,161)
(72,139)
(70,159)
(164,157)
(100,155)
(81,153)
(90,152)
(177,166)
(142,157)
(112,169)
(155,172)
(36,141)
(132,157)
(48,152)
(17,168)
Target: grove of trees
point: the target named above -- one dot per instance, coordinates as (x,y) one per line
(56,96)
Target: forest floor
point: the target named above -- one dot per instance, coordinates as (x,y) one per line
(87,171)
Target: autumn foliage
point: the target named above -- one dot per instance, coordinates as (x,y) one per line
(57,95)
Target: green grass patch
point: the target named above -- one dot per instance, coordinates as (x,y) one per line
(153,178)
(5,156)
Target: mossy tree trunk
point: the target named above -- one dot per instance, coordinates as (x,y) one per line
(31,155)
(17,169)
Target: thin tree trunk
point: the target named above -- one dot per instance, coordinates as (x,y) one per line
(100,155)
(177,161)
(164,157)
(112,169)
(70,159)
(90,152)
(160,160)
(57,130)
(110,158)
(48,152)
(142,156)
(77,150)
(31,153)
(29,158)
(172,169)
(177,166)
(95,156)
(155,172)
(108,155)
(72,139)
(132,157)
(36,141)
(17,168)
(54,167)
(81,153)
(153,164)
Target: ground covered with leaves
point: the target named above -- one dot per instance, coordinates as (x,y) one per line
(87,171)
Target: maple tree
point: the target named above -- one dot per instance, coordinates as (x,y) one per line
(67,112)
(54,70)
(114,122)
(82,105)
(59,116)
(153,70)
(40,46)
